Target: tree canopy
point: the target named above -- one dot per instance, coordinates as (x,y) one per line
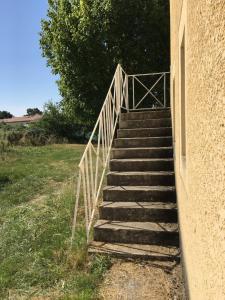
(5,114)
(33,111)
(84,40)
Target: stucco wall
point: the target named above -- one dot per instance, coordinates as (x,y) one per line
(201,183)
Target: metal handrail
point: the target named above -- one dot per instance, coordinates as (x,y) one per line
(95,158)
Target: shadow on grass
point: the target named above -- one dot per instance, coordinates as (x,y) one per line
(4,180)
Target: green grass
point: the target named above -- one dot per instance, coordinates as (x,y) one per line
(36,207)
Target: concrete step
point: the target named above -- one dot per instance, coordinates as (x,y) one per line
(138,211)
(142,115)
(144,132)
(151,152)
(141,164)
(141,178)
(136,251)
(137,232)
(143,142)
(140,193)
(146,123)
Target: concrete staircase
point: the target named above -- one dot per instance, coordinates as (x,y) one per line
(138,216)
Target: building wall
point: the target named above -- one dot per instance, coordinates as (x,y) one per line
(200,177)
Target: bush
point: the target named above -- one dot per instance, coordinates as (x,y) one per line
(33,136)
(14,137)
(57,123)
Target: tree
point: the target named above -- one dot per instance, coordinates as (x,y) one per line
(55,122)
(83,40)
(33,111)
(5,114)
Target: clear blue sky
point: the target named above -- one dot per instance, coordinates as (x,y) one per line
(25,80)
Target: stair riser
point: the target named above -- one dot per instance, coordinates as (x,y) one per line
(142,153)
(135,196)
(144,132)
(141,165)
(140,180)
(145,115)
(145,123)
(136,236)
(148,142)
(139,215)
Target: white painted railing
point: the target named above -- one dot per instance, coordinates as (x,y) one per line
(95,158)
(94,161)
(154,86)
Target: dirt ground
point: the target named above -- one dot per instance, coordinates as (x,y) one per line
(143,281)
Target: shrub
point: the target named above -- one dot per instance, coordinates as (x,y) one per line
(14,137)
(57,123)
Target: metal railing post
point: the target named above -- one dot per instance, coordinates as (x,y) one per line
(164,89)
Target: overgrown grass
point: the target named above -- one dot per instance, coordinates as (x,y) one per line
(36,206)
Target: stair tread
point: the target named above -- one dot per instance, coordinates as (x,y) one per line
(141,173)
(143,128)
(137,110)
(148,119)
(145,138)
(139,188)
(139,205)
(137,226)
(142,159)
(143,148)
(135,250)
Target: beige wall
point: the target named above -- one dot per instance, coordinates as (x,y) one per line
(200,178)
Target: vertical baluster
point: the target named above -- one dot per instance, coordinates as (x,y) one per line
(164,89)
(108,126)
(110,120)
(97,159)
(126,92)
(102,138)
(88,186)
(85,199)
(104,135)
(76,207)
(91,175)
(133,92)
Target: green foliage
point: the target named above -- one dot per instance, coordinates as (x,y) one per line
(33,111)
(57,123)
(84,40)
(5,114)
(4,144)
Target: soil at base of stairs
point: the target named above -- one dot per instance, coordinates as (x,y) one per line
(131,280)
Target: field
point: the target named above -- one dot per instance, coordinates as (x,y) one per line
(37,186)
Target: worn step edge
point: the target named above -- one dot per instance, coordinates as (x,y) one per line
(140,193)
(138,205)
(144,132)
(150,123)
(138,211)
(138,226)
(139,188)
(141,178)
(157,233)
(145,114)
(141,164)
(142,152)
(143,142)
(138,251)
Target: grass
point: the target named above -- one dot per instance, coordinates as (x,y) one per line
(36,207)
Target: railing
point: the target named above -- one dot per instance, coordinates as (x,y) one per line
(153,85)
(94,161)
